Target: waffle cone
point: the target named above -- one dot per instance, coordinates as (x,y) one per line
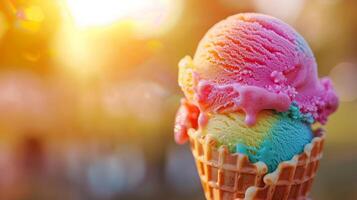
(226,176)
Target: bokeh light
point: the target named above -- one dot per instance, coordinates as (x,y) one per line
(142,99)
(30,18)
(75,53)
(344,77)
(4,25)
(22,94)
(285,10)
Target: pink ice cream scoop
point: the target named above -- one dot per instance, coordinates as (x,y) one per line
(263,52)
(252,62)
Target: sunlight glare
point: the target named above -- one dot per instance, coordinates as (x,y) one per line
(94,13)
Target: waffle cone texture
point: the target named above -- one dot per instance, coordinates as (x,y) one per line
(226,176)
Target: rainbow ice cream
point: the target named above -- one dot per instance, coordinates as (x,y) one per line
(253,86)
(275,137)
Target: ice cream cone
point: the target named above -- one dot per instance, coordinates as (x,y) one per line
(226,176)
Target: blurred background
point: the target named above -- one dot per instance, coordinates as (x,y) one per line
(88,94)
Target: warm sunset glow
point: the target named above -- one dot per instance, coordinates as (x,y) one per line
(4,25)
(76,45)
(148,14)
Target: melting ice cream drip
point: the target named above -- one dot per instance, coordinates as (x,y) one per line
(212,97)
